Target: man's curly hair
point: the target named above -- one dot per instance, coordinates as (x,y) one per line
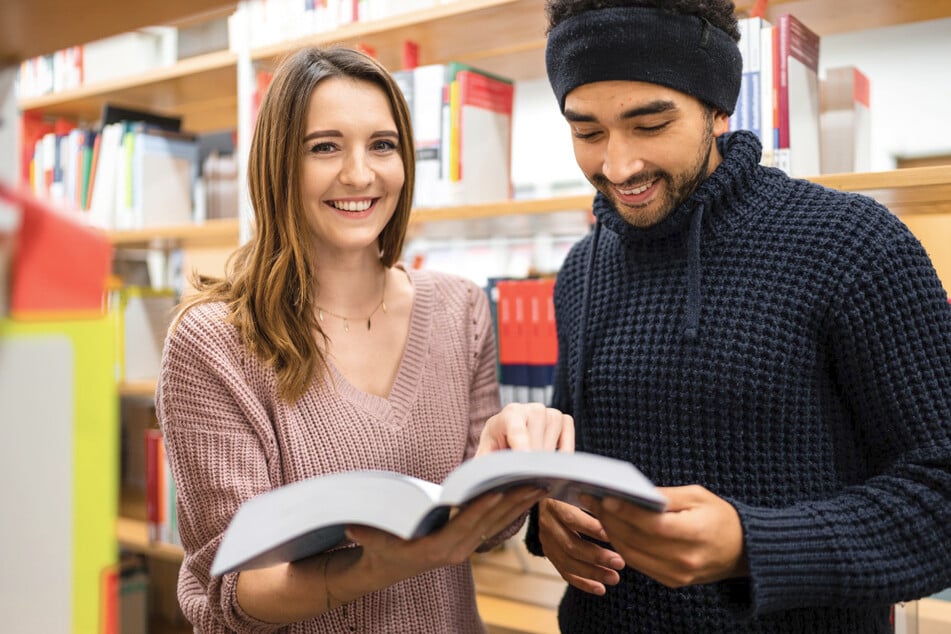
(719,13)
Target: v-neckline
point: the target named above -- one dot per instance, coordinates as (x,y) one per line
(394,408)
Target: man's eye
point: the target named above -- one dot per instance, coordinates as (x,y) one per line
(653,128)
(585,136)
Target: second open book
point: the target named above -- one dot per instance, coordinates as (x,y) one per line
(307,517)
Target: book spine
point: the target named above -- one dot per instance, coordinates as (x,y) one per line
(153,439)
(506,342)
(783,77)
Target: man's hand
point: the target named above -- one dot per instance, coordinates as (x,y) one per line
(581,563)
(528,427)
(699,539)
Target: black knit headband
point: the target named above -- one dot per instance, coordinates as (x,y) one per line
(682,52)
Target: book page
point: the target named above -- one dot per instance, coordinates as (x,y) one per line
(307,517)
(565,475)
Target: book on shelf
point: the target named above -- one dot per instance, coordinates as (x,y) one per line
(797,117)
(449,104)
(305,518)
(160,492)
(846,121)
(144,177)
(512,342)
(145,316)
(114,113)
(543,339)
(754,105)
(480,137)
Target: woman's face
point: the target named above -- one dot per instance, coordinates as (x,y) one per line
(352,172)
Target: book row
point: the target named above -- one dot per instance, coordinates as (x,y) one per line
(161,511)
(136,52)
(136,170)
(277,21)
(807,124)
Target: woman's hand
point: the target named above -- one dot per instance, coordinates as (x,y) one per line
(386,559)
(528,427)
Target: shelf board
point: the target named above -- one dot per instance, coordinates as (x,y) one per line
(211,233)
(138,388)
(201,89)
(502,36)
(502,208)
(918,190)
(38,27)
(852,15)
(133,535)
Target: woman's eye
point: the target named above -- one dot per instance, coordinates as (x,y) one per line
(384,146)
(322,148)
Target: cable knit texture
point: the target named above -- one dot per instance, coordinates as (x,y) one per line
(230,437)
(815,396)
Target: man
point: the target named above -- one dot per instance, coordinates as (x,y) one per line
(776,355)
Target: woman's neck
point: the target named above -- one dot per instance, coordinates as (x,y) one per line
(351,287)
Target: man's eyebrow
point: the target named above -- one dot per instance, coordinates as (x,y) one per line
(653,107)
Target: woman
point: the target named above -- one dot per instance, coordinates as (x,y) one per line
(319,353)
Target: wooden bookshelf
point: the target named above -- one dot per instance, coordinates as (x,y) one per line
(144,389)
(502,36)
(37,27)
(133,535)
(852,15)
(211,233)
(202,90)
(905,191)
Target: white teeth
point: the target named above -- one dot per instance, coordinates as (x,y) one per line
(351,205)
(634,192)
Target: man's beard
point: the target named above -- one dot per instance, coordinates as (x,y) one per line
(678,188)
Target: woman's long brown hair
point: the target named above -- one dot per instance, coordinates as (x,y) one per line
(269,284)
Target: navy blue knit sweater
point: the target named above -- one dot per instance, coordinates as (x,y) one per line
(798,364)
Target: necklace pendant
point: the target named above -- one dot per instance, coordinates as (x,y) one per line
(320,314)
(383,304)
(368,323)
(346,326)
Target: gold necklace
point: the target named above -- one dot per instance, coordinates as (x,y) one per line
(347,320)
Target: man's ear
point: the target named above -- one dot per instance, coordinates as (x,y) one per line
(721,123)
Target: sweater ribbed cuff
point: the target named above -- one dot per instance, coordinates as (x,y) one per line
(791,557)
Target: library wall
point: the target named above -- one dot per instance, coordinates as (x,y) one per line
(910,86)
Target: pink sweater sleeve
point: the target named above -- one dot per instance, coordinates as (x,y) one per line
(205,405)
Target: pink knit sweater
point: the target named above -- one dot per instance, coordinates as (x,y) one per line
(229,437)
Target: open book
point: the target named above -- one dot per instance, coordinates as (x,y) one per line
(307,517)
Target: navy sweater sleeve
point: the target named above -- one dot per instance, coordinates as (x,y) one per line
(886,538)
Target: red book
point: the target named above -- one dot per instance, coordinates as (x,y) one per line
(153,472)
(798,98)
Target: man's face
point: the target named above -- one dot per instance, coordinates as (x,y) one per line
(646,147)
